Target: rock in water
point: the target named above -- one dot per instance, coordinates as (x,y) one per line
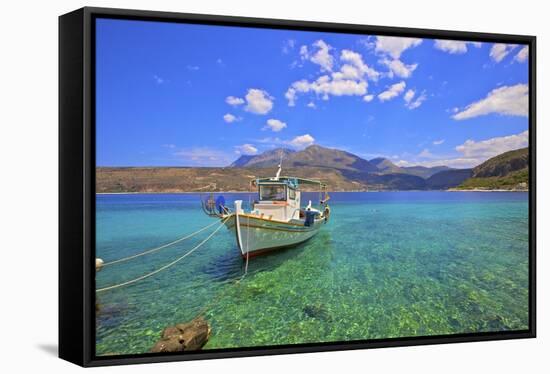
(317,311)
(190,336)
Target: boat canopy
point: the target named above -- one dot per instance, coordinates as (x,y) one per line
(291,181)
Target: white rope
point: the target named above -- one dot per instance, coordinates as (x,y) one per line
(165,266)
(158,248)
(247,238)
(246,266)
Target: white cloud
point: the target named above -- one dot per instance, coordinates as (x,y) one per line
(486,149)
(325,86)
(425,153)
(499,51)
(404,163)
(395,46)
(319,54)
(343,87)
(347,72)
(458,162)
(369,42)
(258,101)
(322,56)
(471,152)
(298,142)
(454,46)
(438,142)
(202,156)
(356,60)
(397,67)
(392,92)
(522,55)
(232,100)
(413,104)
(230,118)
(304,52)
(288,46)
(246,149)
(349,80)
(275,125)
(451,46)
(290,95)
(409,95)
(193,67)
(302,141)
(505,100)
(311,105)
(368,98)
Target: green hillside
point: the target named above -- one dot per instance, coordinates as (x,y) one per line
(503,164)
(508,171)
(516,180)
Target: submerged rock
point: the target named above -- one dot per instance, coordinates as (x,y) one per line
(318,312)
(190,336)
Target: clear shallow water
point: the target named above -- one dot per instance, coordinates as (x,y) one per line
(388,264)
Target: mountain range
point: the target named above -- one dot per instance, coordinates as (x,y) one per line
(343,171)
(377,173)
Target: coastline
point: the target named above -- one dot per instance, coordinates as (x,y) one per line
(485,190)
(248,192)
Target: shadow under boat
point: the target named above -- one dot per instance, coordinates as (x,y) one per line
(227,266)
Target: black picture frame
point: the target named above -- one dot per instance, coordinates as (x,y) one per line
(77,184)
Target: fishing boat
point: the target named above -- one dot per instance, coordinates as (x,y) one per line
(276,219)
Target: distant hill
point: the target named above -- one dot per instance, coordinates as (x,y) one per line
(385,166)
(317,156)
(264,160)
(193,179)
(508,171)
(241,161)
(314,155)
(446,179)
(423,171)
(397,181)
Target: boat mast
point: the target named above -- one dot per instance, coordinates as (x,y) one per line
(280,167)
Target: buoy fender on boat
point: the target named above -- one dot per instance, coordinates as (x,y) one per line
(98,264)
(326,213)
(310,217)
(220,204)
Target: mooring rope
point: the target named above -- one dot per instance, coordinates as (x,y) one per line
(236,282)
(222,293)
(247,237)
(158,248)
(165,266)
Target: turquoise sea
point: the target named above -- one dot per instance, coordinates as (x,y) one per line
(388,264)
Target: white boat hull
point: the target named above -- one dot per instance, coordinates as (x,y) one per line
(256,235)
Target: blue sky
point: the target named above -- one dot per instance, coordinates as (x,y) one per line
(191,95)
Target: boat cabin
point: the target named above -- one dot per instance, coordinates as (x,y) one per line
(278,199)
